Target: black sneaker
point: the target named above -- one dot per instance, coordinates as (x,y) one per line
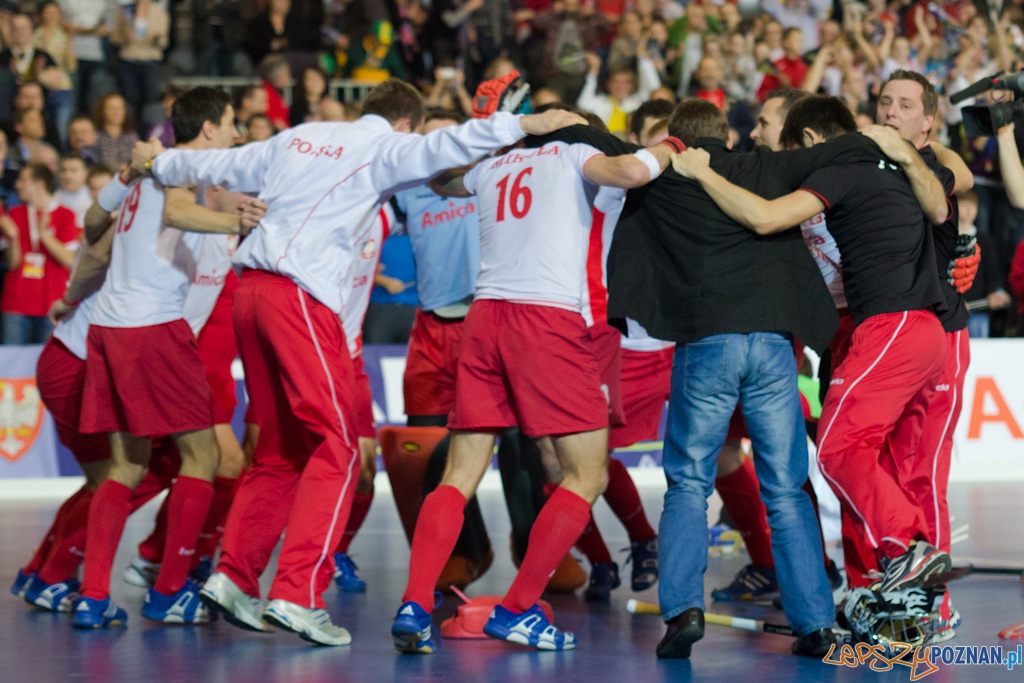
(644,556)
(683,631)
(604,577)
(912,568)
(815,644)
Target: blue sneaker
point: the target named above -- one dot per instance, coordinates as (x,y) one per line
(346,574)
(20,584)
(529,628)
(56,597)
(413,631)
(750,584)
(202,572)
(92,613)
(184,607)
(644,556)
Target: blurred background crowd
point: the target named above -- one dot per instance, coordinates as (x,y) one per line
(82,80)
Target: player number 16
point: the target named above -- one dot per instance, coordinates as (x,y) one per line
(519,199)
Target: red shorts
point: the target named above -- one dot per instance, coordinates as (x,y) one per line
(60,376)
(606,342)
(362,408)
(218,350)
(646,377)
(530,366)
(148,381)
(431,363)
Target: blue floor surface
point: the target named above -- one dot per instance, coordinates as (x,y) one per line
(37,646)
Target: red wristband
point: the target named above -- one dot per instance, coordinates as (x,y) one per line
(675,143)
(70,303)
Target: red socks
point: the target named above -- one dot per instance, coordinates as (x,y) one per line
(152,549)
(360,508)
(110,507)
(69,548)
(592,544)
(437,529)
(187,506)
(51,537)
(209,538)
(741,496)
(624,500)
(556,529)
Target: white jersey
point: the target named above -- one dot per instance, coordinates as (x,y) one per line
(324,181)
(77,202)
(535,216)
(368,245)
(151,264)
(826,254)
(638,339)
(213,261)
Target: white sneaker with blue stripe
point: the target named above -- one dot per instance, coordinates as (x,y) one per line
(530,628)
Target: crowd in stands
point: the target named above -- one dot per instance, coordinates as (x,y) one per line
(82,80)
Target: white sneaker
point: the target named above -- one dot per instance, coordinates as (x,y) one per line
(313,625)
(223,595)
(141,573)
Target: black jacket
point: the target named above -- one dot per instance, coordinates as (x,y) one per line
(685,271)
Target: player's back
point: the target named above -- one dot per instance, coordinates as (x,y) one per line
(535,215)
(151,264)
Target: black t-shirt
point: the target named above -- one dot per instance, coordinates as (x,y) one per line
(883,236)
(944,236)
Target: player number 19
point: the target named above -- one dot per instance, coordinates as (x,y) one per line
(519,198)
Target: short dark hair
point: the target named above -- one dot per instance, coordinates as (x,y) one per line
(245,93)
(98,170)
(395,100)
(829,117)
(42,173)
(194,108)
(789,97)
(74,157)
(695,118)
(929,98)
(651,109)
(442,114)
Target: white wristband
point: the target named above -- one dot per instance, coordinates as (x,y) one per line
(111,196)
(650,161)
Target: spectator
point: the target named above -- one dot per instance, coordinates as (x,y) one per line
(1017,278)
(791,67)
(46,154)
(645,118)
(30,95)
(801,14)
(259,129)
(772,37)
(25,63)
(896,52)
(351,19)
(277,76)
(115,130)
(30,130)
(331,110)
(99,176)
(141,30)
(487,35)
(43,238)
(164,131)
(8,179)
(82,140)
(449,91)
(51,38)
(740,75)
(74,189)
(447,27)
(309,91)
(89,22)
(270,32)
(542,96)
(568,31)
(375,58)
(629,45)
(623,96)
(988,285)
(250,101)
(708,81)
(686,43)
(216,35)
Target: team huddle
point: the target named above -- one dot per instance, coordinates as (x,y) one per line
(535,237)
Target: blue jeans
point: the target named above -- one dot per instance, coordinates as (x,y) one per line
(708,378)
(25,329)
(978,325)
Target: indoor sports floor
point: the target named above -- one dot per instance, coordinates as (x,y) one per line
(37,646)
